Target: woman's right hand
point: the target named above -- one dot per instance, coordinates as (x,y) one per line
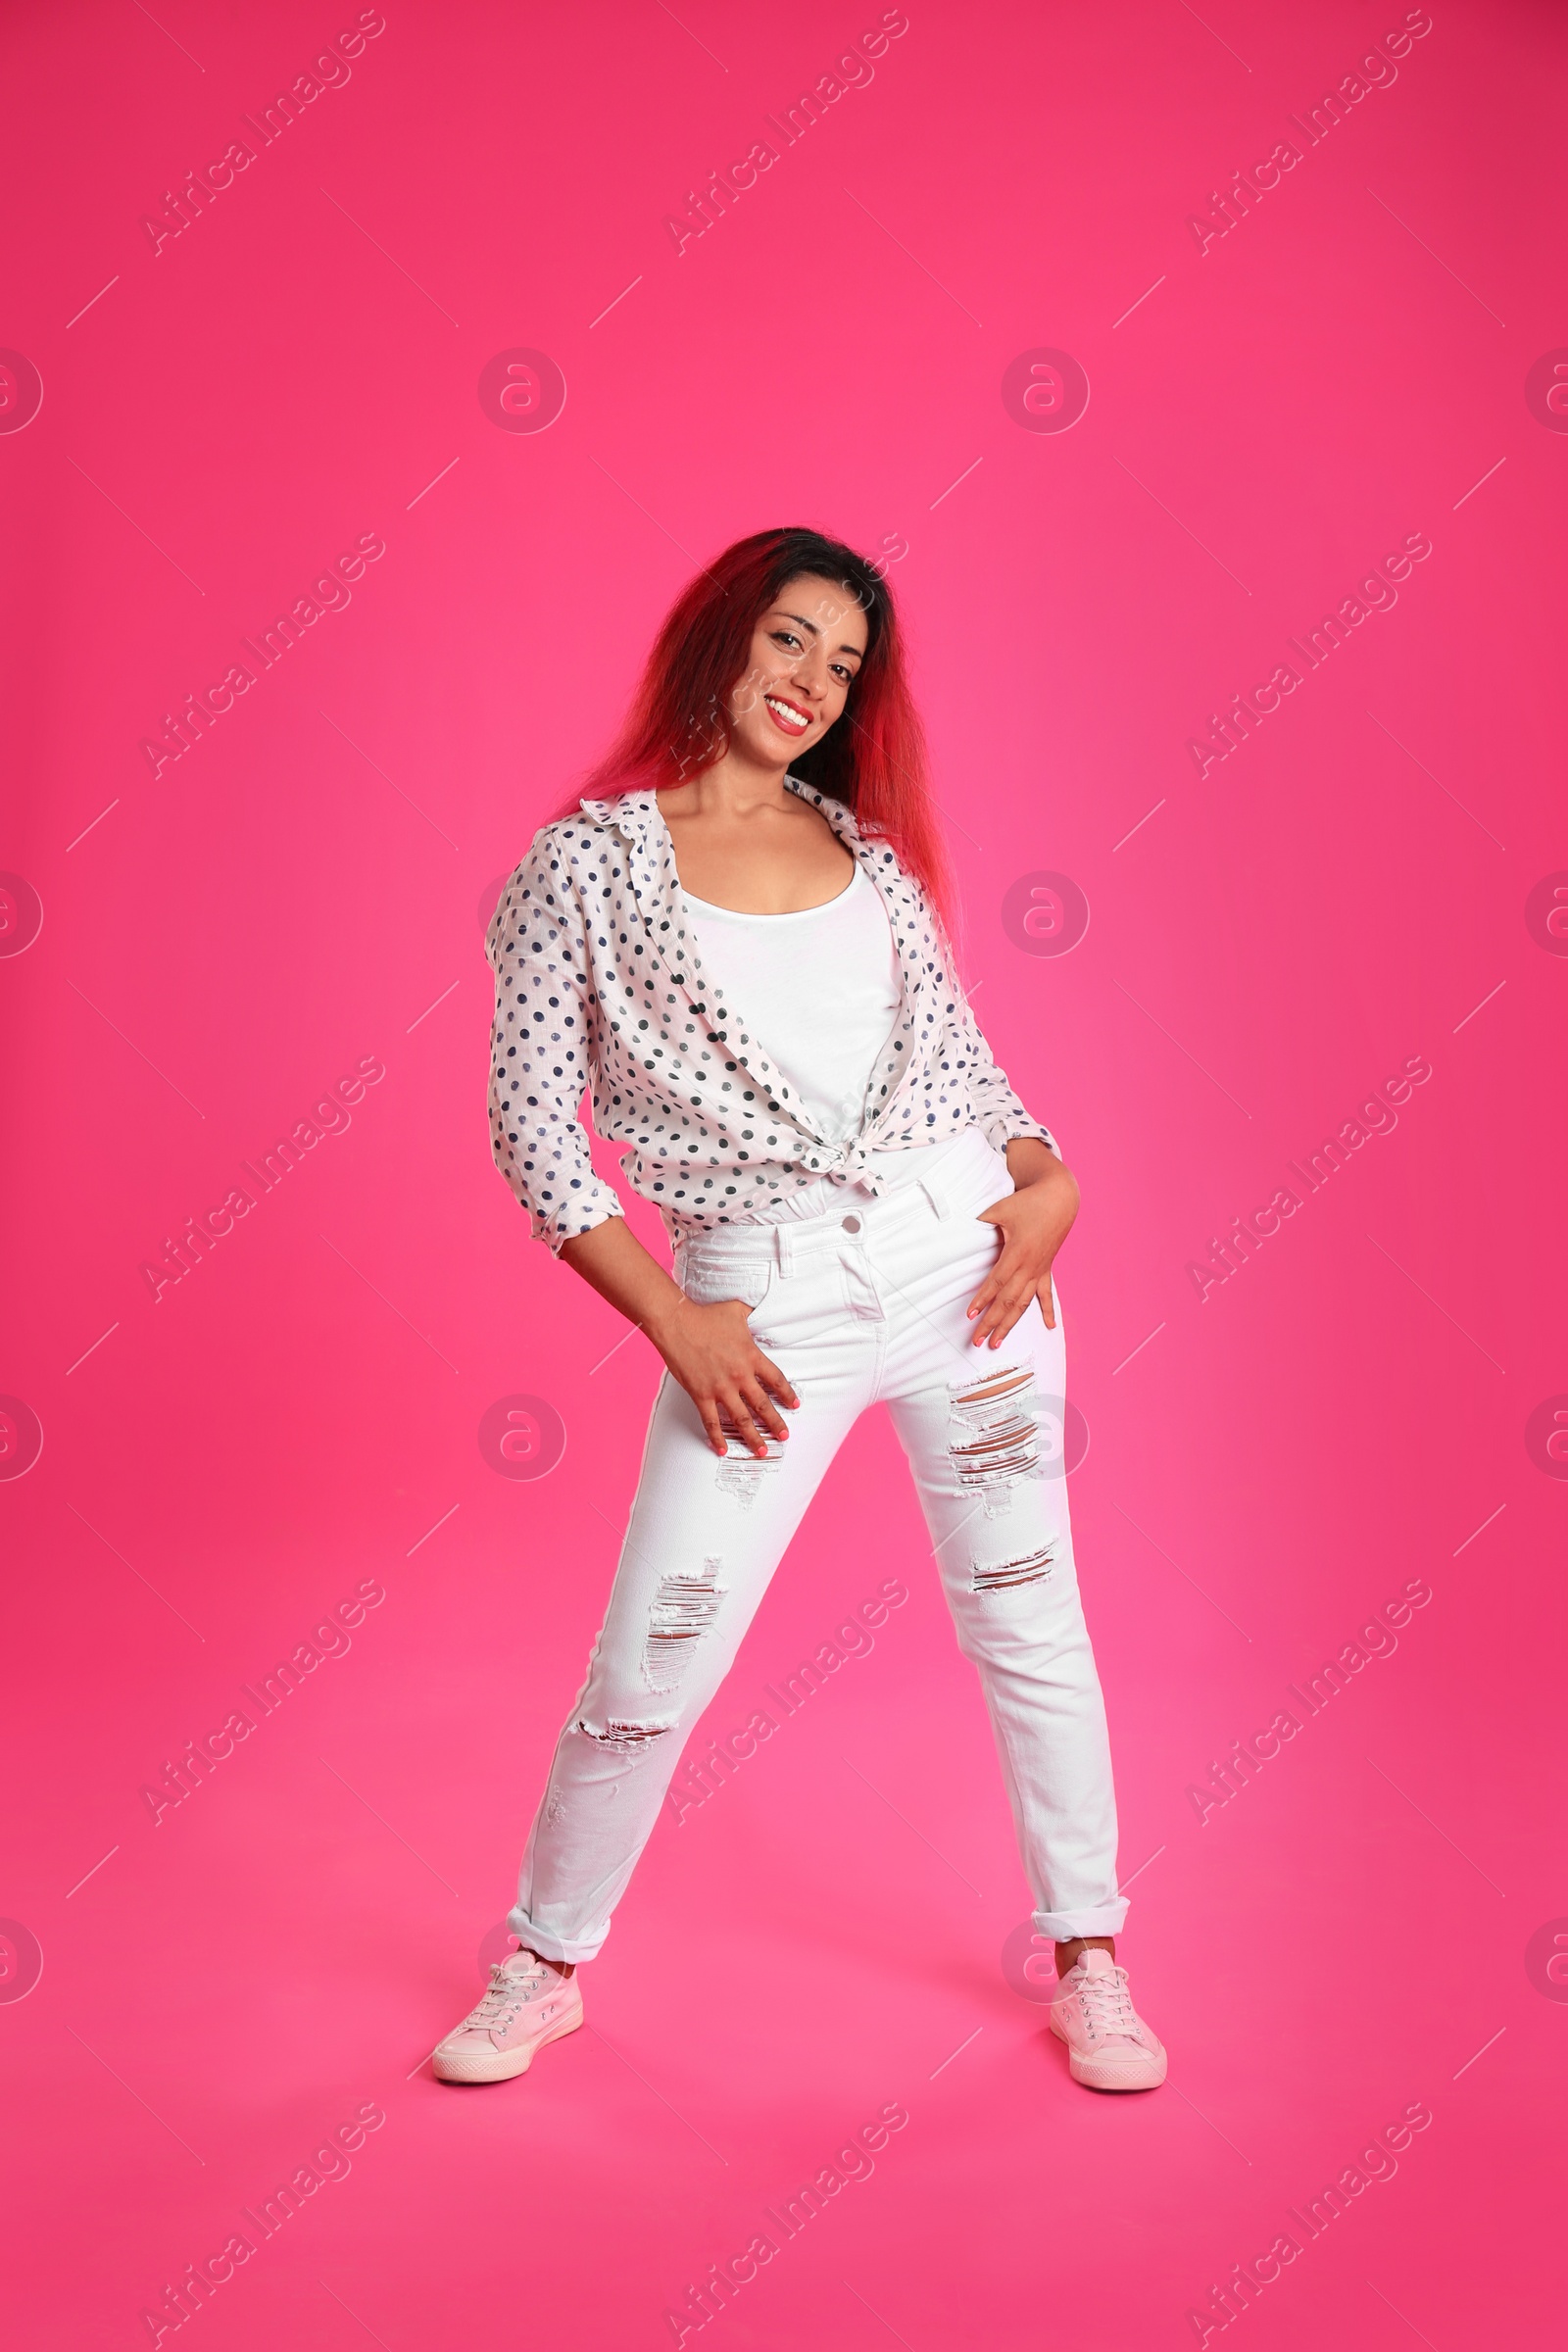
(710,1351)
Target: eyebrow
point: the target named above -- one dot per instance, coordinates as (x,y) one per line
(858,650)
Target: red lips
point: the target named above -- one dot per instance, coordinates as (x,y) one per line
(789,705)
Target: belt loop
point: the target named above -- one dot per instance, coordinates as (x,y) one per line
(936,1192)
(784,1244)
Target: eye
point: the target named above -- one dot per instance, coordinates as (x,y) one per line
(847,675)
(787,637)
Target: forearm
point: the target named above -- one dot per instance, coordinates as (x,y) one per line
(1030,1161)
(613,1261)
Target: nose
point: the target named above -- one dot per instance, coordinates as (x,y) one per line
(809,673)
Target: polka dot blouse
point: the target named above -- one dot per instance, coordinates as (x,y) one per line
(598,987)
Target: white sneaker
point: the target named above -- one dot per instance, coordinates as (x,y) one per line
(1108,2045)
(528,2003)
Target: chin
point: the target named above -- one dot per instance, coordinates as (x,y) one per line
(773,748)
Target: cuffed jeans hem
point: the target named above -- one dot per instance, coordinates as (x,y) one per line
(566,1951)
(1100,1919)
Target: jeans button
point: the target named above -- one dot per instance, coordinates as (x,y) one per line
(852,1224)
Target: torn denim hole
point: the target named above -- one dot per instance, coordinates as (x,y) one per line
(1000,1576)
(741,1471)
(996,1436)
(555,1807)
(683,1611)
(624,1739)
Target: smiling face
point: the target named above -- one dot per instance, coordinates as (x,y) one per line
(806,650)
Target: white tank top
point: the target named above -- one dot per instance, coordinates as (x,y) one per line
(819,990)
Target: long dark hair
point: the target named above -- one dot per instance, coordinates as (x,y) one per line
(873,760)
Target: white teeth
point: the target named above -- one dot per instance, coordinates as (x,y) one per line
(791,719)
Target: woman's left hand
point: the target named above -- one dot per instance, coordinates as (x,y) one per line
(1032,1221)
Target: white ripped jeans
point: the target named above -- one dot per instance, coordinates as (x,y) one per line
(862,1304)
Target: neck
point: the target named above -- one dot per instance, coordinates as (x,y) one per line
(734,786)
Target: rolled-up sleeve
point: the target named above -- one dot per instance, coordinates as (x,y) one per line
(541,1049)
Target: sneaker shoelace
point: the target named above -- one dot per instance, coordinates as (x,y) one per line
(1108,2005)
(507,1992)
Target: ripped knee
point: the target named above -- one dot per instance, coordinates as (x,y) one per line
(685,1608)
(1005,1576)
(623,1738)
(994,1433)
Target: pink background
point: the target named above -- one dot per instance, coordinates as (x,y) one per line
(305,888)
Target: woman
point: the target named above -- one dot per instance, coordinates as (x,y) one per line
(737,942)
